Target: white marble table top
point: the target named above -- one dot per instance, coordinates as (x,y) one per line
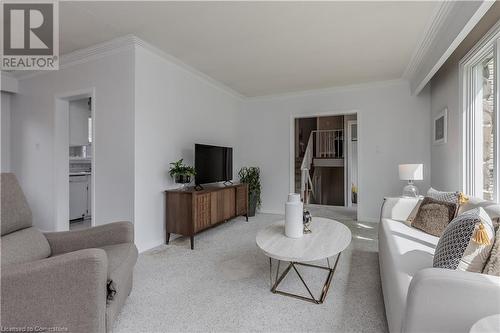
(328,238)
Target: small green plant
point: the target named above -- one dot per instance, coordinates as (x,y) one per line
(251,176)
(180,169)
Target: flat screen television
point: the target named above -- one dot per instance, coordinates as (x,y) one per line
(213,164)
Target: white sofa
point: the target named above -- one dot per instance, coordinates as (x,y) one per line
(419,298)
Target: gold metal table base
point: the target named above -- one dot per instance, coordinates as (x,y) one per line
(294,264)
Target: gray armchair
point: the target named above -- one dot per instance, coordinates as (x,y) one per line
(77,280)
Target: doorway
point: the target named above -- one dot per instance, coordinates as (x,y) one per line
(74,145)
(80,163)
(325,159)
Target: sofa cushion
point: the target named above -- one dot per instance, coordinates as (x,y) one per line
(24,246)
(433,216)
(15,212)
(121,261)
(457,248)
(492,208)
(403,251)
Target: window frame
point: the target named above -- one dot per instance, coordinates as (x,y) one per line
(472,127)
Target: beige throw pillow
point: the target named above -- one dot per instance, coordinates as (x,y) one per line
(413,213)
(433,216)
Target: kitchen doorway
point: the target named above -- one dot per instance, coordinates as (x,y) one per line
(74,144)
(80,163)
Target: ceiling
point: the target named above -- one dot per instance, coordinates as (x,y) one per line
(262,48)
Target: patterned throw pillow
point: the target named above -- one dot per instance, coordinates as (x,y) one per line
(453,197)
(457,198)
(433,216)
(492,266)
(466,242)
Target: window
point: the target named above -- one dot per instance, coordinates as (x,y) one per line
(479,70)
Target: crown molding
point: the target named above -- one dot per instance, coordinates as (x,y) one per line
(204,77)
(87,54)
(126,43)
(330,90)
(437,20)
(455,22)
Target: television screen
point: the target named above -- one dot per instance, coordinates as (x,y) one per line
(213,164)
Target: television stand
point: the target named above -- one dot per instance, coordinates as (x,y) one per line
(198,187)
(227,183)
(190,211)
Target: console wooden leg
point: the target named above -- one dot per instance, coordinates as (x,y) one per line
(168,238)
(192,242)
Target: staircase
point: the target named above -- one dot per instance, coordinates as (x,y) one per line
(298,174)
(324,148)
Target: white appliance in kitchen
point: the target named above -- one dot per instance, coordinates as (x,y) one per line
(80,160)
(79,196)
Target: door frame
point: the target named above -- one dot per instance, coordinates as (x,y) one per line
(349,160)
(291,164)
(61,155)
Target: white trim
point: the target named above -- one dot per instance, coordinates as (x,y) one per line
(61,157)
(369,219)
(153,244)
(329,90)
(442,34)
(274,212)
(349,161)
(440,15)
(471,129)
(87,54)
(126,43)
(214,83)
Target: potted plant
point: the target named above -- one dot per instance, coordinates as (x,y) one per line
(180,172)
(251,176)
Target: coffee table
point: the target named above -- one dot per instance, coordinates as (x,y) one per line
(328,238)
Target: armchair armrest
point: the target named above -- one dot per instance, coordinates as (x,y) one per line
(398,208)
(107,234)
(67,291)
(443,300)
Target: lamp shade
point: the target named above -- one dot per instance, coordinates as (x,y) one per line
(411,171)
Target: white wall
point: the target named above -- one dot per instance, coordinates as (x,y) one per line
(446,158)
(174,109)
(393,128)
(32,135)
(5,132)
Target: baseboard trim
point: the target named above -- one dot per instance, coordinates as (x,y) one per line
(150,245)
(275,212)
(368,219)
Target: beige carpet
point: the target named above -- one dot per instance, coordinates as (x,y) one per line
(223,285)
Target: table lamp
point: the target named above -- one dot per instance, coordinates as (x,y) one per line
(411,172)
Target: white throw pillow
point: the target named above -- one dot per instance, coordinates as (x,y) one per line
(458,247)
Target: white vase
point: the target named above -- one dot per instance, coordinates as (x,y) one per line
(293,216)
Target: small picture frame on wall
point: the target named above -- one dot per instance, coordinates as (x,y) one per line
(440,128)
